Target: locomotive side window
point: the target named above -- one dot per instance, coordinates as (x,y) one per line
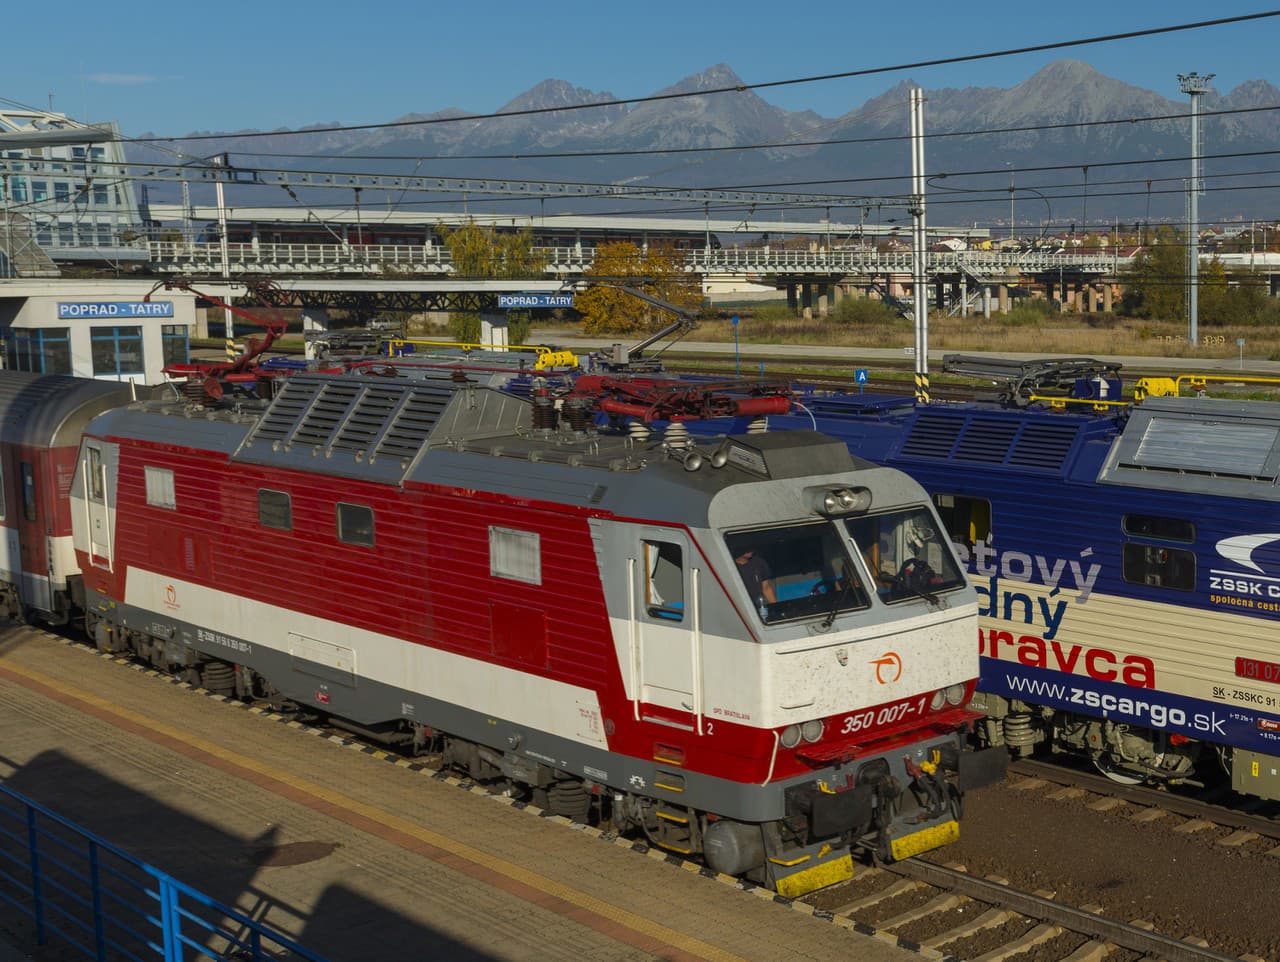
(907,557)
(801,571)
(664,580)
(28,491)
(515,554)
(966,520)
(160,488)
(355,524)
(275,510)
(1160,529)
(1158,566)
(97,489)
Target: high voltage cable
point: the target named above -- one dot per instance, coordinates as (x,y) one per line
(739,88)
(776,145)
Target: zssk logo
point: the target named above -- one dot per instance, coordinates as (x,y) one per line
(1240,549)
(888,667)
(170,597)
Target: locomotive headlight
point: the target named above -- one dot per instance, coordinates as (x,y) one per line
(955,694)
(790,737)
(844,501)
(939,699)
(811,731)
(854,499)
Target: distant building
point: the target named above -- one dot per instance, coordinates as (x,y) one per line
(66,198)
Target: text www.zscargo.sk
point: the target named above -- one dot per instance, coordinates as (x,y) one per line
(1157,715)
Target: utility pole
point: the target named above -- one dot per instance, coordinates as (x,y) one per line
(919,253)
(1197,87)
(1009,164)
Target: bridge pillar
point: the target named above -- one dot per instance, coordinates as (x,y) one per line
(824,300)
(964,296)
(986,301)
(1003,293)
(792,300)
(1108,297)
(1275,285)
(806,301)
(939,296)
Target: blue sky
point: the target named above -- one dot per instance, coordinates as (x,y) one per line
(179,68)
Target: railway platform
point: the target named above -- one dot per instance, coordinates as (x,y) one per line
(354,855)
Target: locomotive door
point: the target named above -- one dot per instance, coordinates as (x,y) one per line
(665,623)
(97,508)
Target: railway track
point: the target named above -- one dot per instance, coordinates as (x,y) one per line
(1216,805)
(944,909)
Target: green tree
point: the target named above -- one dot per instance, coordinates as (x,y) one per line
(478,251)
(1155,284)
(658,271)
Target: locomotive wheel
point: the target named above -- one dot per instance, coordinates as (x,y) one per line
(1104,763)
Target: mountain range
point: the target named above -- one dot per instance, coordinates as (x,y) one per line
(1067,163)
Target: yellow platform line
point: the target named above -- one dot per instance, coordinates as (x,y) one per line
(150,727)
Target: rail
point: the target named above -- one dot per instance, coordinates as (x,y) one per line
(106,904)
(1057,913)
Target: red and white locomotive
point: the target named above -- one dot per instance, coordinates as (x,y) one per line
(755,648)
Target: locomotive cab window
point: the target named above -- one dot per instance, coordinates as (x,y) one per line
(160,487)
(275,509)
(1158,566)
(355,524)
(664,580)
(801,571)
(966,520)
(905,554)
(1159,529)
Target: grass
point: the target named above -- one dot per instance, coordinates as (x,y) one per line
(1025,330)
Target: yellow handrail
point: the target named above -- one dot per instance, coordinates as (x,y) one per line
(546,358)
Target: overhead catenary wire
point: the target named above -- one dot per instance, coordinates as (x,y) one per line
(740,88)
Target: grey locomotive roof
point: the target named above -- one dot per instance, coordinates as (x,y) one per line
(1199,445)
(45,410)
(434,430)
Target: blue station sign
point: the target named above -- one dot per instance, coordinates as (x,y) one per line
(535,299)
(114,309)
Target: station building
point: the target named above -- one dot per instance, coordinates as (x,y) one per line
(99,329)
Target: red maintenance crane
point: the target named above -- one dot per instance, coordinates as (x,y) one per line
(212,377)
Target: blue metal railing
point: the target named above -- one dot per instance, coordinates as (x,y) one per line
(109,905)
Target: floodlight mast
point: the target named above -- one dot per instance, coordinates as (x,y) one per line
(1197,87)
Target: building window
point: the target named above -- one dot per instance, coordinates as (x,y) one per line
(66,233)
(1159,529)
(19,187)
(39,190)
(101,197)
(515,554)
(275,510)
(41,350)
(355,524)
(117,350)
(97,153)
(175,339)
(104,235)
(62,192)
(664,580)
(160,487)
(1157,566)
